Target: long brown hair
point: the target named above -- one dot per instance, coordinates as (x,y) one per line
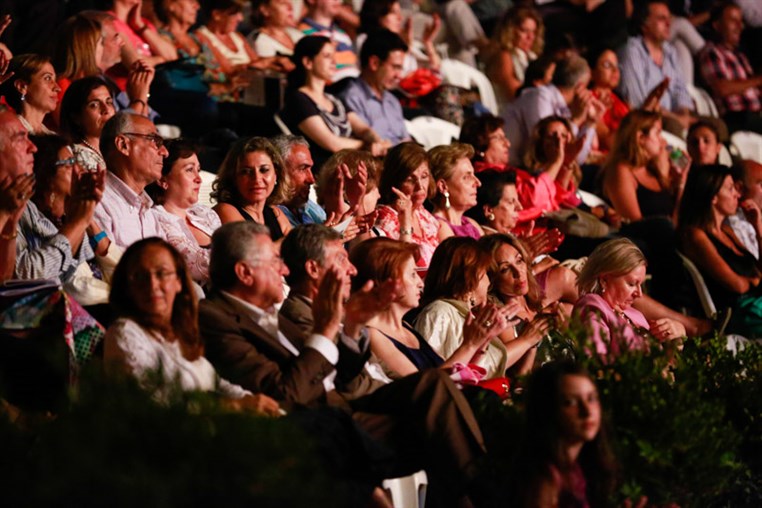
(455,269)
(491,244)
(184,322)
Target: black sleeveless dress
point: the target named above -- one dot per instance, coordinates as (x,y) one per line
(271,221)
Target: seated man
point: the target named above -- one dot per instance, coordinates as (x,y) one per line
(297,169)
(423,417)
(310,252)
(321,20)
(566,96)
(726,69)
(32,247)
(134,153)
(649,59)
(381,60)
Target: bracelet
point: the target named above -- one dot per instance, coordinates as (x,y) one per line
(94,241)
(10,236)
(408,231)
(133,101)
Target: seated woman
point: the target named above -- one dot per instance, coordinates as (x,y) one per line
(605,79)
(86,107)
(455,187)
(400,348)
(497,211)
(491,146)
(405,185)
(246,187)
(187,225)
(609,284)
(455,291)
(275,31)
(731,272)
(55,168)
(565,458)
(638,178)
(141,39)
(231,51)
(317,115)
(512,282)
(157,329)
(518,40)
(705,140)
(31,90)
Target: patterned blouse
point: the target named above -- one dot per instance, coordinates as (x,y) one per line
(388,221)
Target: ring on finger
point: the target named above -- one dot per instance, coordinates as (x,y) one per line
(487,323)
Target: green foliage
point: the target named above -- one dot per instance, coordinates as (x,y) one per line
(116,446)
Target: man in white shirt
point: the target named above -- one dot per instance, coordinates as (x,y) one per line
(134,153)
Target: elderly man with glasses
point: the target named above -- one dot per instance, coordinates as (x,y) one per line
(134,154)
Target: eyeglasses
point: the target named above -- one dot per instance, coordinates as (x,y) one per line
(609,65)
(157,140)
(276,262)
(146,277)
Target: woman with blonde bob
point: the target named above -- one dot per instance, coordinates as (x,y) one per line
(247,186)
(518,40)
(610,283)
(455,187)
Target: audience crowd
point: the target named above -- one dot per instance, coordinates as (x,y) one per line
(341,264)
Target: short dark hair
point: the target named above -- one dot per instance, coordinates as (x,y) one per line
(477,129)
(231,243)
(380,43)
(491,192)
(74,102)
(371,13)
(179,148)
(303,243)
(455,269)
(718,9)
(640,14)
(45,169)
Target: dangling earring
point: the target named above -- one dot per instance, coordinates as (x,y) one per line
(23,97)
(52,199)
(471,301)
(447,200)
(490,216)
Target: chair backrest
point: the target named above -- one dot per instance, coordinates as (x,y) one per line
(748,145)
(707,303)
(705,105)
(431,131)
(281,124)
(725,158)
(463,75)
(204,193)
(408,491)
(674,141)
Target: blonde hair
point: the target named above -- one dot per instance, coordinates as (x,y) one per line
(626,147)
(505,32)
(615,257)
(443,158)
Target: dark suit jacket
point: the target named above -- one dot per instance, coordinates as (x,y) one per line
(298,310)
(244,353)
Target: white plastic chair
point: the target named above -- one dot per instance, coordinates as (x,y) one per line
(204,193)
(707,303)
(748,145)
(590,199)
(281,124)
(463,75)
(674,141)
(705,105)
(408,491)
(167,131)
(725,158)
(431,131)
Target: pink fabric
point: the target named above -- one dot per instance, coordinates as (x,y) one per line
(388,221)
(572,490)
(611,332)
(140,45)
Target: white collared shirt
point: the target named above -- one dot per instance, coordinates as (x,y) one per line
(125,216)
(268,320)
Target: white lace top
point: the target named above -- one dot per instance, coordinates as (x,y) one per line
(179,235)
(142,352)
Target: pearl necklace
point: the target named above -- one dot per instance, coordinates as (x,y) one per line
(96,151)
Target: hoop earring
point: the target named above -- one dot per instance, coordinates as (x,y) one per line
(447,200)
(490,216)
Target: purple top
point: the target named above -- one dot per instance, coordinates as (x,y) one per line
(612,332)
(466,228)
